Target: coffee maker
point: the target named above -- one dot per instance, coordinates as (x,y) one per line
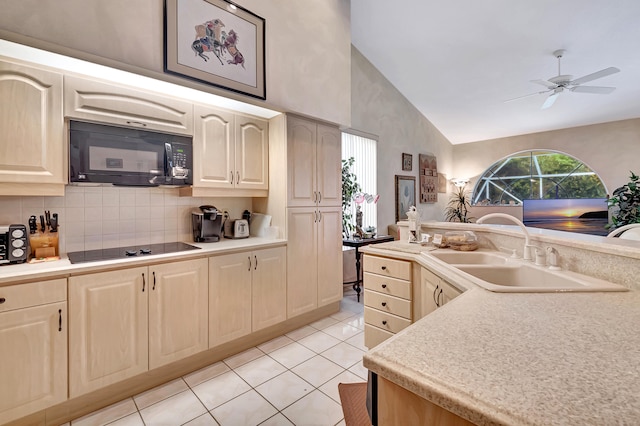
(207,224)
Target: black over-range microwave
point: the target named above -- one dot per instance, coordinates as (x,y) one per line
(101,153)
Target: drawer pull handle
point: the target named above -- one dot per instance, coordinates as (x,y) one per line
(2,300)
(384,303)
(154,280)
(59,319)
(384,268)
(384,286)
(384,322)
(144,282)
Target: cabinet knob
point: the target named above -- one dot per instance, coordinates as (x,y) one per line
(384,303)
(2,300)
(384,268)
(384,322)
(384,286)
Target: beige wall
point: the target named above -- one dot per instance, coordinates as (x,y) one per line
(610,149)
(307,45)
(378,108)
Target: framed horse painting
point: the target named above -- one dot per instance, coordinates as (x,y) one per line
(215,42)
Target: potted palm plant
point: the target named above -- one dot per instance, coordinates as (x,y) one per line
(350,187)
(458,206)
(625,203)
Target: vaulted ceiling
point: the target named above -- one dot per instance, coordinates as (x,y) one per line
(457,61)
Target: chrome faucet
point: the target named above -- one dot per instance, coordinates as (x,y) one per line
(526,252)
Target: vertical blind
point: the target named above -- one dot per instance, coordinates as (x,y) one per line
(363,150)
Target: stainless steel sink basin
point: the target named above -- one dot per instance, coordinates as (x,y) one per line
(499,273)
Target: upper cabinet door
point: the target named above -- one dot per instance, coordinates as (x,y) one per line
(213,148)
(32,143)
(301,162)
(329,166)
(252,153)
(109,103)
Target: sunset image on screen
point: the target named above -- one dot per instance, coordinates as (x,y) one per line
(587,215)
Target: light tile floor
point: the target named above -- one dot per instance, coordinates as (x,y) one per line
(290,380)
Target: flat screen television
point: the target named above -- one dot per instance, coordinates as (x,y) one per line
(583,215)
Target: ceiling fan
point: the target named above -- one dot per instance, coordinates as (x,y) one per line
(560,83)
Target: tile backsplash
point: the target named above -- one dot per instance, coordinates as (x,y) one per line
(105,217)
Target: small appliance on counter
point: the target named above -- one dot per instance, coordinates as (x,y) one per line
(238,228)
(14,244)
(207,224)
(259,224)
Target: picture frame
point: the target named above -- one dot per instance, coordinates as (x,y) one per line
(405,195)
(407,162)
(442,183)
(215,42)
(429,178)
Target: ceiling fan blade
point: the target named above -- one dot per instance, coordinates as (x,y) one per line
(601,90)
(599,74)
(550,100)
(526,96)
(545,83)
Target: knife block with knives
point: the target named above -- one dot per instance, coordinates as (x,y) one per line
(44,239)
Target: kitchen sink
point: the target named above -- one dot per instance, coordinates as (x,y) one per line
(469,257)
(498,273)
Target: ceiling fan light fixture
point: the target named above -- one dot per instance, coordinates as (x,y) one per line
(557,84)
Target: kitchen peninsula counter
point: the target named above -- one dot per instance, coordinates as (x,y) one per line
(520,358)
(15,274)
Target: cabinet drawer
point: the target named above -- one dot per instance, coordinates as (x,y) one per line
(387,322)
(32,294)
(388,267)
(373,336)
(386,285)
(387,303)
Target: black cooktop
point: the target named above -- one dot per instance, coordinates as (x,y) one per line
(128,252)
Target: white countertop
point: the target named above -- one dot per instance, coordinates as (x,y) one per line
(523,359)
(10,274)
(520,359)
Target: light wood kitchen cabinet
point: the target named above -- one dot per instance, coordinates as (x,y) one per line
(33,148)
(33,347)
(247,293)
(229,297)
(268,288)
(230,150)
(314,258)
(313,164)
(178,311)
(435,292)
(388,298)
(108,328)
(98,101)
(124,322)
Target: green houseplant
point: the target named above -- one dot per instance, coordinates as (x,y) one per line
(350,187)
(458,206)
(625,203)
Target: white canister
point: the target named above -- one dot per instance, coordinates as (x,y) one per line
(259,224)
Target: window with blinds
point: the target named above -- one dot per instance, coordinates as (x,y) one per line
(363,150)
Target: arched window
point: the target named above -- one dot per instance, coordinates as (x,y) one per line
(537,175)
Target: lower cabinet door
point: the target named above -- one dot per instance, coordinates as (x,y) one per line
(33,354)
(178,311)
(269,288)
(108,328)
(229,297)
(329,255)
(302,263)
